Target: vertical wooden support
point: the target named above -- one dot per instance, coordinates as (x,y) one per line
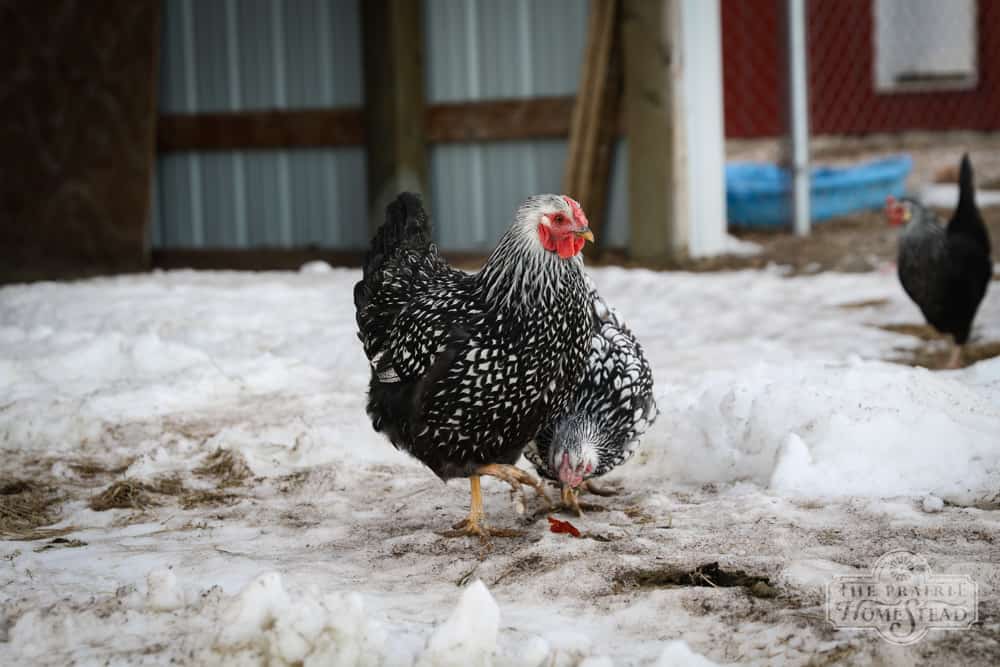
(394,101)
(77,135)
(594,124)
(655,230)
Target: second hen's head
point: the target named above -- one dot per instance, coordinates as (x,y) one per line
(575,452)
(556,223)
(897,213)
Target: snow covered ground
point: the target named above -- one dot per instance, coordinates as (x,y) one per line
(786,448)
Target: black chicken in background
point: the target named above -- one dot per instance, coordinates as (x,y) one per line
(945,269)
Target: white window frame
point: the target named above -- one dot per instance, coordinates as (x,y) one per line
(945,30)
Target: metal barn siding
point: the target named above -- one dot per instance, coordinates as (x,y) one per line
(480,49)
(260,54)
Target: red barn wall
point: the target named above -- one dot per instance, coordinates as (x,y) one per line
(842,95)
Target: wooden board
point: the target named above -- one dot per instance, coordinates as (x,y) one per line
(595,118)
(649,114)
(76,136)
(396,155)
(259,129)
(498,120)
(487,120)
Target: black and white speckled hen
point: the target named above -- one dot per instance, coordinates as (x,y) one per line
(945,270)
(466,367)
(611,409)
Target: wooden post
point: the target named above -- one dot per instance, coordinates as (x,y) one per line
(77,130)
(394,101)
(655,230)
(594,125)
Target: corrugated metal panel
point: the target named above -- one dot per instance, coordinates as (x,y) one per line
(325,207)
(261,54)
(506,173)
(615,233)
(479,49)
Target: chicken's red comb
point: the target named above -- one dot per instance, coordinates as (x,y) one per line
(578,214)
(894,212)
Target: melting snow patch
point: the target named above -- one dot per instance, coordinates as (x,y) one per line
(932,504)
(265,620)
(858,428)
(316,266)
(163,593)
(469,637)
(679,654)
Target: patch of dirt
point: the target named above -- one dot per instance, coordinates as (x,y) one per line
(638,515)
(935,349)
(709,574)
(935,358)
(197,499)
(123,494)
(227,467)
(133,494)
(25,507)
(89,469)
(61,543)
(528,565)
(167,486)
(292,481)
(924,332)
(859,305)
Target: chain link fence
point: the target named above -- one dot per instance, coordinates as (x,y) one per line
(920,77)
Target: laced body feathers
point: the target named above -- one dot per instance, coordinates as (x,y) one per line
(465,367)
(613,405)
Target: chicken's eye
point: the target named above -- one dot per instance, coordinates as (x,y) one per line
(559,219)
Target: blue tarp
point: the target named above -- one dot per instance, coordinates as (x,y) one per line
(758,194)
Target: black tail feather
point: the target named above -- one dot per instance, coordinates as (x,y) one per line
(966,185)
(966,220)
(406,225)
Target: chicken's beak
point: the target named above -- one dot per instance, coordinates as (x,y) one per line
(585,234)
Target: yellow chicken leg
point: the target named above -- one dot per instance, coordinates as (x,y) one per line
(474,523)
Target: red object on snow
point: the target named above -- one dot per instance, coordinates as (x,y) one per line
(557,526)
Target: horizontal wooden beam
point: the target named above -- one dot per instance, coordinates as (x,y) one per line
(499,120)
(259,129)
(489,120)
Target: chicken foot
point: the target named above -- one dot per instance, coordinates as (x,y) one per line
(571,497)
(474,524)
(955,359)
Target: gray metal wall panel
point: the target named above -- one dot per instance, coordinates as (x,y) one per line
(225,55)
(483,49)
(327,200)
(174,200)
(220,55)
(210,44)
(480,49)
(500,176)
(260,54)
(615,232)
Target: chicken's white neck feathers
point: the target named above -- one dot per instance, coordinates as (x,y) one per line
(520,271)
